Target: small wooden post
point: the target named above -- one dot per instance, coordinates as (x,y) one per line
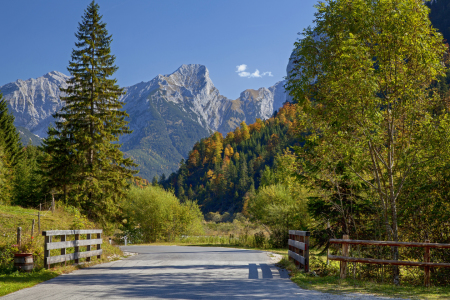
(53,203)
(306,253)
(63,249)
(40,206)
(48,239)
(39,220)
(99,246)
(77,249)
(328,250)
(32,229)
(426,258)
(344,253)
(88,247)
(19,236)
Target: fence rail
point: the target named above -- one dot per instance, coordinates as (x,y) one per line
(63,244)
(426,263)
(299,248)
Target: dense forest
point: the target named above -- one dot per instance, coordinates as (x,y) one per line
(220,172)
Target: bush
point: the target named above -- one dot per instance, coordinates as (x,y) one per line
(260,239)
(153,214)
(279,238)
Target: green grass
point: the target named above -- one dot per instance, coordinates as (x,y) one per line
(12,217)
(333,284)
(14,281)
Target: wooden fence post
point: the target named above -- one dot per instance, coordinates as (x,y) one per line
(328,250)
(306,253)
(343,264)
(32,229)
(63,250)
(48,239)
(99,246)
(88,247)
(19,236)
(77,249)
(426,258)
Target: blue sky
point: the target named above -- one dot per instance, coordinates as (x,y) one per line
(156,37)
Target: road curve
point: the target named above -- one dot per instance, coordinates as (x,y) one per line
(178,272)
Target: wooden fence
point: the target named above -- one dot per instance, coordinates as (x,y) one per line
(346,242)
(63,244)
(299,248)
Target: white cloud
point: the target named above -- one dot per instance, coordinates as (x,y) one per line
(241,68)
(255,74)
(242,73)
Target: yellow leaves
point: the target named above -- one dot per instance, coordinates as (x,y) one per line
(210,175)
(236,156)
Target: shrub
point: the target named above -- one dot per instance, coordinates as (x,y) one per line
(153,214)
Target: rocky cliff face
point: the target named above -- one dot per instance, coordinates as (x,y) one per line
(168,114)
(33,101)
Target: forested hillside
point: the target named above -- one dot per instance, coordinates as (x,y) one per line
(219,171)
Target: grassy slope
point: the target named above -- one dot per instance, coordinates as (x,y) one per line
(12,217)
(331,283)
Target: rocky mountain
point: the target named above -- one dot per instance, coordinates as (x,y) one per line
(33,101)
(168,114)
(27,137)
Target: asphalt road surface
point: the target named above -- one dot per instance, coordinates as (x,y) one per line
(179,272)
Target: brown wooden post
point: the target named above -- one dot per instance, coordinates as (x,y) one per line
(426,258)
(32,228)
(296,250)
(343,264)
(328,250)
(306,254)
(77,249)
(48,239)
(88,247)
(63,250)
(39,220)
(99,246)
(19,236)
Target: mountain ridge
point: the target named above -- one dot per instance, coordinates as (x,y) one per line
(167,114)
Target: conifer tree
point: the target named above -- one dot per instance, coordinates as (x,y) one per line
(9,137)
(5,175)
(91,122)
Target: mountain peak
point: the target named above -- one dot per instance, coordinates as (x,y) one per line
(55,76)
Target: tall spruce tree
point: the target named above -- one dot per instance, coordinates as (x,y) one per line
(9,136)
(10,151)
(85,139)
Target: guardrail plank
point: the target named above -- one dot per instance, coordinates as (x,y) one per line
(300,245)
(76,243)
(72,256)
(70,232)
(301,233)
(387,262)
(389,243)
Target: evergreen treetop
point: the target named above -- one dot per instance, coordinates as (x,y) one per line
(9,137)
(90,124)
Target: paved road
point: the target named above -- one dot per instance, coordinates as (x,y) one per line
(178,272)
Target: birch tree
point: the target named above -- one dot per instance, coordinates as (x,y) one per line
(362,78)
